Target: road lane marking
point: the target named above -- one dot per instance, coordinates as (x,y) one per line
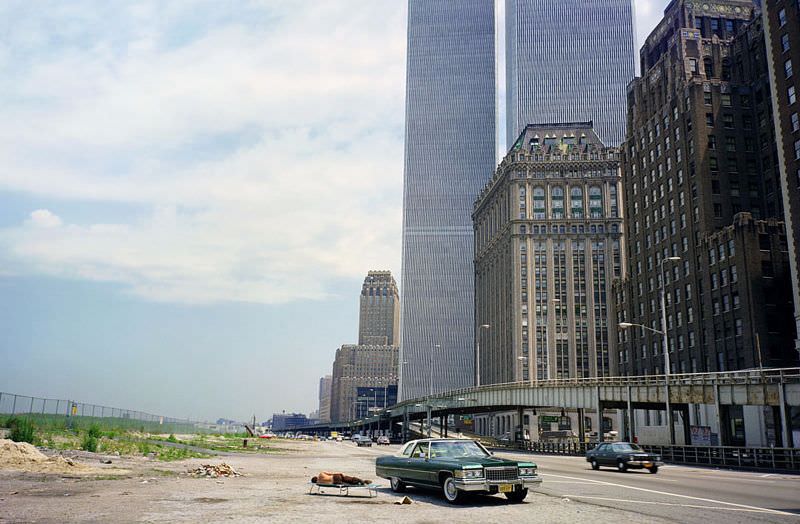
(670,504)
(713,501)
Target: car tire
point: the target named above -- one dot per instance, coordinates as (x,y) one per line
(517,497)
(398,486)
(595,465)
(654,469)
(621,466)
(452,494)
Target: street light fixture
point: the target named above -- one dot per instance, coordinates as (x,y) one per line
(478,353)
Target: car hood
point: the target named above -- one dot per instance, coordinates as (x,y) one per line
(486,462)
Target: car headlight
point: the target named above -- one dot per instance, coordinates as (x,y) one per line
(527,472)
(469,473)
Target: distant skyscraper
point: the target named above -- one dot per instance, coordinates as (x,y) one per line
(325,384)
(449,156)
(569,61)
(379,310)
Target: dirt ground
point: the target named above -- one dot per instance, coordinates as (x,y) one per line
(273,488)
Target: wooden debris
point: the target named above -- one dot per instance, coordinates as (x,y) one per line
(214,471)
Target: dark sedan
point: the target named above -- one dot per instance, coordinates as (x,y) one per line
(623,456)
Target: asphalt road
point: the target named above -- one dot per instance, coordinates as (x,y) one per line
(676,493)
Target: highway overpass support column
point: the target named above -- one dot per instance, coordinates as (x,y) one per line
(599,415)
(631,433)
(405,424)
(718,412)
(786,430)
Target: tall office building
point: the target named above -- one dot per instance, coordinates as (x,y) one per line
(325,398)
(449,154)
(372,364)
(358,366)
(703,209)
(782,28)
(548,244)
(379,310)
(569,61)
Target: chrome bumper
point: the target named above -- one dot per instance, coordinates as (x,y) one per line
(486,485)
(643,463)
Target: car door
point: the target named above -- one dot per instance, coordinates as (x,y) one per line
(602,454)
(417,469)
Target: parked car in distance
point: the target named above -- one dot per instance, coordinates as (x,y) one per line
(623,456)
(383,440)
(457,467)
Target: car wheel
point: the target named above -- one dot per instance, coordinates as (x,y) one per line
(595,465)
(654,469)
(517,496)
(451,492)
(621,466)
(397,485)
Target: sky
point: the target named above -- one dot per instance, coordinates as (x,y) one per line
(191,193)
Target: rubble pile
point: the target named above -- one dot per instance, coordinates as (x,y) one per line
(214,471)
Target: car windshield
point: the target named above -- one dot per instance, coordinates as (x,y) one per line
(627,447)
(457,449)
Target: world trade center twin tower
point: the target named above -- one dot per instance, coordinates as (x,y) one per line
(565,61)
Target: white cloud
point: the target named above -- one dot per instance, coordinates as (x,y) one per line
(44,218)
(266,158)
(262,145)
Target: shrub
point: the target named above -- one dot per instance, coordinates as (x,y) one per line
(172,438)
(22,430)
(94,431)
(89,443)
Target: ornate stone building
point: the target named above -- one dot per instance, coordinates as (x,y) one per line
(548,244)
(374,361)
(379,310)
(782,28)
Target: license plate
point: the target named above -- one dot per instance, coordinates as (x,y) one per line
(648,464)
(505,488)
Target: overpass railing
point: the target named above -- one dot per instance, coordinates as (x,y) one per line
(744,377)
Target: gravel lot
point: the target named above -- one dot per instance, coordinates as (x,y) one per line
(274,488)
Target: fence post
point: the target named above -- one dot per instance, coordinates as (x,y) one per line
(14,406)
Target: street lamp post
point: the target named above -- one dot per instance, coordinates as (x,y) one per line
(430,388)
(478,354)
(665,337)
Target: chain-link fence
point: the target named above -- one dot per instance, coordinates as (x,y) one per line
(47,412)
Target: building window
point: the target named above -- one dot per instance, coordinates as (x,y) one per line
(795,122)
(595,202)
(538,203)
(797,149)
(706,95)
(730,144)
(727,120)
(576,194)
(557,202)
(693,66)
(726,100)
(710,119)
(792,95)
(782,17)
(787,68)
(785,42)
(712,142)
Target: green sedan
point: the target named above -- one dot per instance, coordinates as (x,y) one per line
(456,467)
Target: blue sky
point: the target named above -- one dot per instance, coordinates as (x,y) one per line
(191,194)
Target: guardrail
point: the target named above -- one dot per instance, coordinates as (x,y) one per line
(785,459)
(777,459)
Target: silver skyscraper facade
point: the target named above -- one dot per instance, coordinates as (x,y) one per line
(449,156)
(569,61)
